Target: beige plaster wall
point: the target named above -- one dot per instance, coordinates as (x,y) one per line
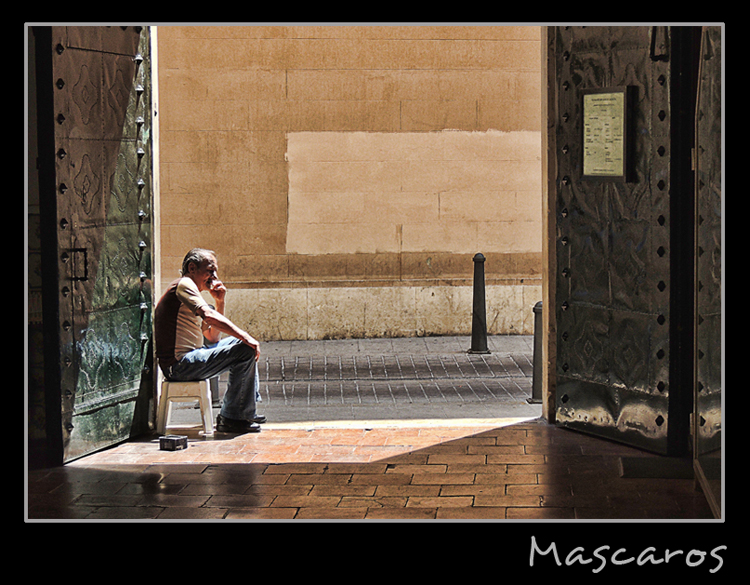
(450,191)
(346,175)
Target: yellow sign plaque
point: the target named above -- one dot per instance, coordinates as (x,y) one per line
(604,134)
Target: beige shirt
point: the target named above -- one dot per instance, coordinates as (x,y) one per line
(189,333)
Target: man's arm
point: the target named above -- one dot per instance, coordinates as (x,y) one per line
(211,332)
(215,323)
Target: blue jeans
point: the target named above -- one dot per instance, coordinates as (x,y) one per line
(229,354)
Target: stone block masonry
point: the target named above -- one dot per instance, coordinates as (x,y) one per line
(345,175)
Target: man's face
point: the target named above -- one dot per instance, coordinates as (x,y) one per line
(205,274)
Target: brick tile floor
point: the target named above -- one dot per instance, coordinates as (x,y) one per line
(526,470)
(405,429)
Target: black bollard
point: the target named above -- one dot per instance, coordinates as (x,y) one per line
(479,313)
(536,386)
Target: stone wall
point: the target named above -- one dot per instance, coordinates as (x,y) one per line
(346,175)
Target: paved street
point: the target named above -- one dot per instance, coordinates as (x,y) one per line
(395,379)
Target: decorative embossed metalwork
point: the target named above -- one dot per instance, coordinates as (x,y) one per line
(102,103)
(85,94)
(613,244)
(87,185)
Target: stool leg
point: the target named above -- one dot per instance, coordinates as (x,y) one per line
(161,419)
(206,409)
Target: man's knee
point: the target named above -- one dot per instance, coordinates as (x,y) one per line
(243,352)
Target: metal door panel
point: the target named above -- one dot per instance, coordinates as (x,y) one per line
(585,275)
(630,347)
(613,287)
(128,187)
(629,275)
(103,172)
(81,181)
(586,337)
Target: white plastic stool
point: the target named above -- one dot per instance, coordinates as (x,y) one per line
(172,391)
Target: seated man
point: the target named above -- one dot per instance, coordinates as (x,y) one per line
(183,318)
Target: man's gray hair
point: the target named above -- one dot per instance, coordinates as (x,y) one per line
(196,255)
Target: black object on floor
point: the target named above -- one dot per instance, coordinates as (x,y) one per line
(173,442)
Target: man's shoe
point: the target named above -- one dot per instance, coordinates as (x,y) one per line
(259,418)
(230,425)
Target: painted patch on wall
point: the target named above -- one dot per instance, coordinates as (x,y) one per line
(449,191)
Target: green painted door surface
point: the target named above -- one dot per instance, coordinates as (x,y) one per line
(102,105)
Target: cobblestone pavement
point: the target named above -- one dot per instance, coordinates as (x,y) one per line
(396,379)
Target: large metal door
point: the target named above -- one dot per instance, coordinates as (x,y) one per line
(623,281)
(102,110)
